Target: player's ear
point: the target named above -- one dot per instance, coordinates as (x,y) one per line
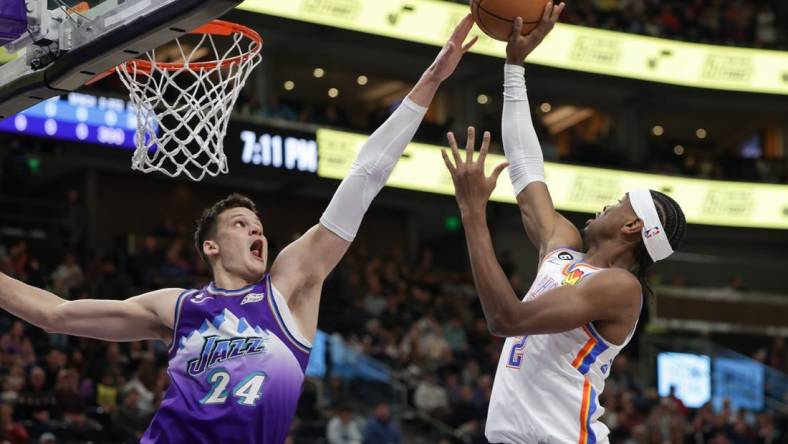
(210,248)
(632,227)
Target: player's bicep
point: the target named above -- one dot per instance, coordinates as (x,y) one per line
(138,318)
(308,260)
(545,227)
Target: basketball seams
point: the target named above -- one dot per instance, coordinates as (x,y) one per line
(480,22)
(478,11)
(487,11)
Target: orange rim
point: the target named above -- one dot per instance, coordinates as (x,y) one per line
(214,27)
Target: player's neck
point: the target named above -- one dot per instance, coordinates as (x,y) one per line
(610,254)
(229,281)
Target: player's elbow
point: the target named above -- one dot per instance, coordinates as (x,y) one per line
(53,320)
(501,326)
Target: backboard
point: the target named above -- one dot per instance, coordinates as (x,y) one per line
(68,43)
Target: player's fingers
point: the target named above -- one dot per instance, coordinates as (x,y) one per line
(497,172)
(462,29)
(544,23)
(470,44)
(517,29)
(455,152)
(548,11)
(557,12)
(447,161)
(469,144)
(484,149)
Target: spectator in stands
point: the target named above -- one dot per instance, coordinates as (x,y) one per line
(147,262)
(128,420)
(107,393)
(431,397)
(342,428)
(275,109)
(109,282)
(67,275)
(47,438)
(10,430)
(54,362)
(74,221)
(379,428)
(36,402)
(144,383)
(678,403)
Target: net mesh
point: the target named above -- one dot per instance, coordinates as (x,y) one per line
(182,113)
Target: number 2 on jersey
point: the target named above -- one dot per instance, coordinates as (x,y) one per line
(516,354)
(247,392)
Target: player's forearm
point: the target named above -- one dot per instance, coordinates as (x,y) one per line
(520,142)
(425,89)
(32,304)
(495,292)
(371,169)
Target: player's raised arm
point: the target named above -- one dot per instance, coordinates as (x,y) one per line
(609,294)
(148,316)
(545,227)
(318,251)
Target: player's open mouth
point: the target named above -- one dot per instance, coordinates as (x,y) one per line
(257,249)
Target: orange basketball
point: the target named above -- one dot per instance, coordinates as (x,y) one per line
(496,17)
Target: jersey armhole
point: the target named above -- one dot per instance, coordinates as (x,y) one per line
(177,318)
(285,318)
(553,251)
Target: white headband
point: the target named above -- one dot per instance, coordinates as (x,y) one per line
(653,233)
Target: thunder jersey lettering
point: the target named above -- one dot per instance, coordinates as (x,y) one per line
(236,368)
(546,386)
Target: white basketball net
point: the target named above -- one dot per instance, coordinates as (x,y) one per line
(182,114)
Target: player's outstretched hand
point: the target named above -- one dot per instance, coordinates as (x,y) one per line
(519,45)
(471,187)
(452,52)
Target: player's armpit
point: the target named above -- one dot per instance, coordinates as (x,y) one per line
(608,295)
(147,316)
(307,261)
(546,228)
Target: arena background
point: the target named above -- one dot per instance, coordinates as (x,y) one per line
(403,348)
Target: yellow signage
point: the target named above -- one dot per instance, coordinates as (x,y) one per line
(568,47)
(5,56)
(574,188)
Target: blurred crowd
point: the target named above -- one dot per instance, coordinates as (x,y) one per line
(417,317)
(760,24)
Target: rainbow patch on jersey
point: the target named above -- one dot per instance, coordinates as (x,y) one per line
(574,273)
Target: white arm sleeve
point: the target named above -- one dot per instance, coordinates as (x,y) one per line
(371,170)
(520,144)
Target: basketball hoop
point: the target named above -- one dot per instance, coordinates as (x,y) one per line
(183,107)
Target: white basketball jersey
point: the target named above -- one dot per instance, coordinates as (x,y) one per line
(546,386)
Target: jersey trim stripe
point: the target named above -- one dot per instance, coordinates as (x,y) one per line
(177,317)
(214,290)
(279,320)
(590,351)
(587,409)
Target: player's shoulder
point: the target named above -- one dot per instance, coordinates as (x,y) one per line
(563,255)
(617,283)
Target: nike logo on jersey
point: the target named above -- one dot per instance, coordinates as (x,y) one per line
(199,298)
(252,297)
(215,351)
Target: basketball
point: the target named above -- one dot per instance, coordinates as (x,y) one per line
(496,17)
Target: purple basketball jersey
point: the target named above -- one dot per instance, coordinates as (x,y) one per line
(236,369)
